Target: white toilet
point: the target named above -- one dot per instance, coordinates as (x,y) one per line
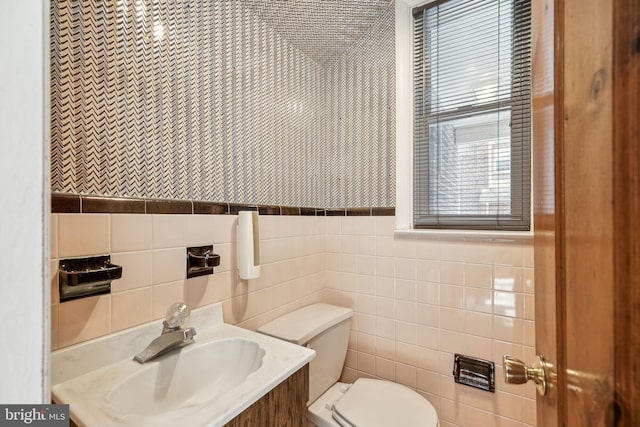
(366,402)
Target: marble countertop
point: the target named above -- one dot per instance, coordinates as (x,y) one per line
(83,375)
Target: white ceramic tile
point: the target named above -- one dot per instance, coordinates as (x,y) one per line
(83,319)
(406,311)
(169,265)
(385,266)
(332,243)
(366,323)
(163,296)
(478,347)
(366,264)
(501,348)
(508,254)
(83,235)
(168,231)
(386,348)
(385,286)
(224,228)
(428,271)
(478,275)
(332,225)
(428,293)
(366,226)
(131,233)
(366,245)
(385,246)
(478,324)
(136,270)
(348,244)
(349,282)
(452,296)
(385,225)
(453,251)
(406,332)
(199,230)
(367,343)
(452,319)
(429,337)
(367,363)
(385,307)
(385,328)
(406,289)
(527,253)
(406,268)
(428,315)
(366,284)
(428,249)
(480,300)
(452,273)
(406,375)
(529,338)
(508,329)
(529,307)
(528,280)
(428,359)
(507,279)
(130,308)
(349,224)
(508,304)
(406,247)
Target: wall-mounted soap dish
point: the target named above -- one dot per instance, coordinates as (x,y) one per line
(201,260)
(83,277)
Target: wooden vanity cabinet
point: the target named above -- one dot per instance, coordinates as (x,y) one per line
(285,405)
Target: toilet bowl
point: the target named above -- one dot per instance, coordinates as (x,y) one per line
(365,403)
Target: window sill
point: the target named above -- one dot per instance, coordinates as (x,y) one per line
(466,235)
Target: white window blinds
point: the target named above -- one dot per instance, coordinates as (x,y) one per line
(472,103)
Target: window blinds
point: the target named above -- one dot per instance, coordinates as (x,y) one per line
(472,126)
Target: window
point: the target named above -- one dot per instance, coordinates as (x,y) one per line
(472,126)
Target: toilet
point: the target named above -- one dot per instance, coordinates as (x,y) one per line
(365,403)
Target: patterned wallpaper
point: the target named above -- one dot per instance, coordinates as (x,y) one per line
(203,100)
(360,155)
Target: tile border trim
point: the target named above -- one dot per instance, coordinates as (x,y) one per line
(78,203)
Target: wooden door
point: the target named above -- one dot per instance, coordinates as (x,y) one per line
(586,162)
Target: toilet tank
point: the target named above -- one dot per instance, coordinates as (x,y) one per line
(325,329)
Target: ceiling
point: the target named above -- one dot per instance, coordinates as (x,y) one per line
(322,29)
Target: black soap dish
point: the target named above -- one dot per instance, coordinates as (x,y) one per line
(201,260)
(83,277)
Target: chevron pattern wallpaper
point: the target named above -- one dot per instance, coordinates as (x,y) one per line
(360,152)
(202,100)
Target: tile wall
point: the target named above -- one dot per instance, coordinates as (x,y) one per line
(416,302)
(151,250)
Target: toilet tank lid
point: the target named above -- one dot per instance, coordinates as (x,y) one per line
(303,324)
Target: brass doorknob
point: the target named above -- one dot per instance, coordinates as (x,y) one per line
(517,372)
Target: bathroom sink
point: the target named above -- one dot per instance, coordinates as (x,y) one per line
(187,378)
(205,384)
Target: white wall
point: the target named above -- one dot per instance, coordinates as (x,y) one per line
(24,199)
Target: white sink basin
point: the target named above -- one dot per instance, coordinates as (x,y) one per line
(186,378)
(206,383)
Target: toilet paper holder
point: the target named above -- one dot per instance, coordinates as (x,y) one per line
(201,260)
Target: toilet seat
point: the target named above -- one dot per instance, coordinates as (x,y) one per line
(378,403)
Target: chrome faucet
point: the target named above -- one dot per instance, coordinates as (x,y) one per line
(172,337)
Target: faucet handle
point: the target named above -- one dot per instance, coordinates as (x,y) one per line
(177,314)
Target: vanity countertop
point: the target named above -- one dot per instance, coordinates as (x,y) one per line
(85,375)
